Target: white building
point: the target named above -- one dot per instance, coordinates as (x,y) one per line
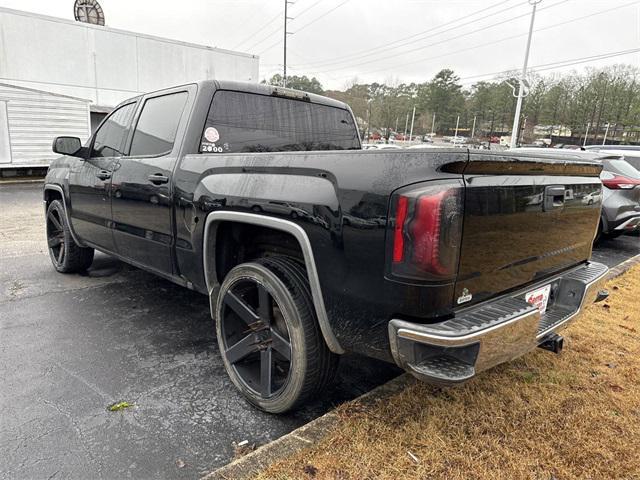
(96,65)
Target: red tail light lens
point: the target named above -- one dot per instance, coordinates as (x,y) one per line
(618,182)
(427,229)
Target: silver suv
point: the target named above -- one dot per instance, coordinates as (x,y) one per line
(620,198)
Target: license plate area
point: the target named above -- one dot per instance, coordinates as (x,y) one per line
(539,298)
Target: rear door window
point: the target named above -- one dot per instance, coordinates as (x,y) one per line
(156,130)
(245,122)
(110,139)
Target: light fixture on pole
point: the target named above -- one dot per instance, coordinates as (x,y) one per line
(516,119)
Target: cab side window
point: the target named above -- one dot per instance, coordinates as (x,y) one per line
(111,137)
(157,126)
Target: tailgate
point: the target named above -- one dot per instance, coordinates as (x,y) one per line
(526,217)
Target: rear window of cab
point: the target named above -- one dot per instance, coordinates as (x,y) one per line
(247,122)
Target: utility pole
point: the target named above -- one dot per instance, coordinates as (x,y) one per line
(473,129)
(433,124)
(396,130)
(455,135)
(516,119)
(284,76)
(413,117)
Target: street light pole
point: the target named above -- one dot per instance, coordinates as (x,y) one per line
(586,134)
(606,132)
(406,126)
(413,117)
(516,119)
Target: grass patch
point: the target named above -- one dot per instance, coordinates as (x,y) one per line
(543,416)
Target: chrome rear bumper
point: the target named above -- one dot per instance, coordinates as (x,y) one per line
(493,332)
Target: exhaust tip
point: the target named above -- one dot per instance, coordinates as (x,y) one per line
(553,343)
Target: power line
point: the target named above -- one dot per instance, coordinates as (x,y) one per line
(301,28)
(253,35)
(481,29)
(308,8)
(493,42)
(374,50)
(560,64)
(320,17)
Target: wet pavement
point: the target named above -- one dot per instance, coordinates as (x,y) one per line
(72,345)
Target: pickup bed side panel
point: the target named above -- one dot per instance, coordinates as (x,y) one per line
(340,199)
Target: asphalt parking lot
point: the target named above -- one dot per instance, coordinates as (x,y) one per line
(72,345)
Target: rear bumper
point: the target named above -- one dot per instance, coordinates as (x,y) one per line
(629,224)
(496,331)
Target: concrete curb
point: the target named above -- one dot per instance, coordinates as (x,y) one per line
(311,433)
(22,180)
(623,267)
(303,437)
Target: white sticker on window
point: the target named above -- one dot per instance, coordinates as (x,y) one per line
(211,134)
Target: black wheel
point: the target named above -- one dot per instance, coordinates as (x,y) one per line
(66,255)
(269,336)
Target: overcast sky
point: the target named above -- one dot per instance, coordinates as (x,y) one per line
(339,40)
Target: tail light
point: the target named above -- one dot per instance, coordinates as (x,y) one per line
(425,231)
(618,182)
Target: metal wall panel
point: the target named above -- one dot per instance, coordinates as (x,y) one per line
(35,118)
(104,64)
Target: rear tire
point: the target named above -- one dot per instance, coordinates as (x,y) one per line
(66,255)
(269,336)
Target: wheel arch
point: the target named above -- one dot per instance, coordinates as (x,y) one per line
(56,192)
(214,219)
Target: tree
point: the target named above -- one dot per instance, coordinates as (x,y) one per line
(304,83)
(442,96)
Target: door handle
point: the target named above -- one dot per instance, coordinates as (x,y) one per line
(103,175)
(158,179)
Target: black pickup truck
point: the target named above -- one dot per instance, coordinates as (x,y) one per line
(444,261)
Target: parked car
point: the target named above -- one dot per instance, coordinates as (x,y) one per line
(630,153)
(620,195)
(380,146)
(621,198)
(380,265)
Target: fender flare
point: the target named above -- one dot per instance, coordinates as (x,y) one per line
(277,224)
(58,188)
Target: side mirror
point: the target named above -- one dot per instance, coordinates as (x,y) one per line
(67,146)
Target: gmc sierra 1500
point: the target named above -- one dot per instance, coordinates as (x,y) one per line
(446,261)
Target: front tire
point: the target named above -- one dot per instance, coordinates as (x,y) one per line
(66,255)
(269,336)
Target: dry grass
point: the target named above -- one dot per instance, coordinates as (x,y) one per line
(544,416)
